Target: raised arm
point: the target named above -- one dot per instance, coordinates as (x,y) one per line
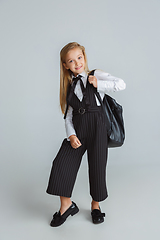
(108,83)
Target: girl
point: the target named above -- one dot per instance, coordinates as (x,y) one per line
(86,130)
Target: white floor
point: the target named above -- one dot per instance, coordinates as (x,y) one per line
(132,208)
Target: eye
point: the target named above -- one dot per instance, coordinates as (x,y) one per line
(80,57)
(70,61)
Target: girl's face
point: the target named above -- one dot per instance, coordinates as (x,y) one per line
(75,61)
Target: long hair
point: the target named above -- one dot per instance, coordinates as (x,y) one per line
(65,74)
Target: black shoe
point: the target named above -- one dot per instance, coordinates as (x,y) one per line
(97,216)
(59,219)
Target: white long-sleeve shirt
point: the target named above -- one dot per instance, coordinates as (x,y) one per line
(105,83)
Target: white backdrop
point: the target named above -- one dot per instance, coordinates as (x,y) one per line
(120,37)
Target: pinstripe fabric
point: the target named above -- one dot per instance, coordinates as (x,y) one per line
(91,131)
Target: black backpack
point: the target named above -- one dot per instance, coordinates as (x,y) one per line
(114,119)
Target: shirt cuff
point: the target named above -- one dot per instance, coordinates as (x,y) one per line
(68,135)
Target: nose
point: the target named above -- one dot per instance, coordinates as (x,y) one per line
(77,63)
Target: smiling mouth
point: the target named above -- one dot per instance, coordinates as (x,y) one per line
(78,68)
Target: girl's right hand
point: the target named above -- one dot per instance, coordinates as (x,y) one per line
(75,143)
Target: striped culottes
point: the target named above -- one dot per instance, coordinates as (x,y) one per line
(91,130)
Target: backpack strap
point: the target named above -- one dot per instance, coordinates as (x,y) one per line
(92,72)
(67,102)
(66,111)
(95,90)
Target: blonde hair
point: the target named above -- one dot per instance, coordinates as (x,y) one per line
(65,74)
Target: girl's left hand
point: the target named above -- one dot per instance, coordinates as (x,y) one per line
(93,80)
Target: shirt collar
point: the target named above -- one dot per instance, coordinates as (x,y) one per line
(83,74)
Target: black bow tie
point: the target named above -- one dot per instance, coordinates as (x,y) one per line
(75,80)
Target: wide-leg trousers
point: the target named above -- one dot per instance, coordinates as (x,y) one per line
(93,136)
